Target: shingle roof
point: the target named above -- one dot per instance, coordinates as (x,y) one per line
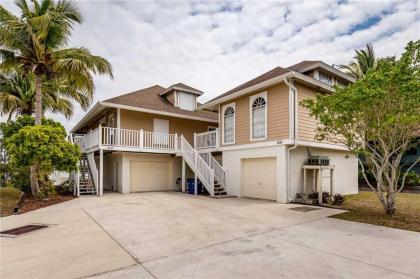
(182,86)
(149,98)
(278,71)
(297,67)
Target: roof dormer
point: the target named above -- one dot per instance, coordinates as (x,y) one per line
(182,96)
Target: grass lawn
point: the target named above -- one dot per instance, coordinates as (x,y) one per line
(9,197)
(366,208)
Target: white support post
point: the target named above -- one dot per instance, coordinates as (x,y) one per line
(117,140)
(118,118)
(101,172)
(183,175)
(332,182)
(100,136)
(217,138)
(195,141)
(304,181)
(320,185)
(141,138)
(176,142)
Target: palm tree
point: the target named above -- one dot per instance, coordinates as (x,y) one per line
(17,95)
(36,42)
(364,60)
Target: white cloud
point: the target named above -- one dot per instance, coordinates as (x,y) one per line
(215,45)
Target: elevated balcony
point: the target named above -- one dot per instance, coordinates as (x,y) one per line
(116,139)
(207,140)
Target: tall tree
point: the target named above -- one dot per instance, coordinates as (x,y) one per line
(17,95)
(376,118)
(37,40)
(364,60)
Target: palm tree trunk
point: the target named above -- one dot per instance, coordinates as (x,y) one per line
(38,100)
(38,117)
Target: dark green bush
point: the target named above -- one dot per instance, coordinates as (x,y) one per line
(326,197)
(64,189)
(338,199)
(412,179)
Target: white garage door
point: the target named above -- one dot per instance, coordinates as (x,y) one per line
(149,176)
(259,178)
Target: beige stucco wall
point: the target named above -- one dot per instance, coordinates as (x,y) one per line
(277,115)
(345,172)
(139,120)
(127,158)
(95,123)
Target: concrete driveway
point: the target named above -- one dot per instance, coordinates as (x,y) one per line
(174,235)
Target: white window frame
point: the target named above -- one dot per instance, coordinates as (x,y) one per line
(223,123)
(251,101)
(177,98)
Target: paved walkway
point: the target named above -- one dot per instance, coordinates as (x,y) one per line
(173,235)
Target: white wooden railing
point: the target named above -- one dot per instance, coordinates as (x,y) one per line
(91,139)
(74,178)
(207,139)
(93,169)
(120,137)
(198,165)
(161,141)
(220,173)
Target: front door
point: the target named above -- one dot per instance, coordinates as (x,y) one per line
(161,129)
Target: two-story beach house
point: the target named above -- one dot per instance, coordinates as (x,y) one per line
(252,141)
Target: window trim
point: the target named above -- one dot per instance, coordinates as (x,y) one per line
(251,101)
(224,107)
(177,100)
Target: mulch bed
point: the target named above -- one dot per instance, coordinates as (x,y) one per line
(31,203)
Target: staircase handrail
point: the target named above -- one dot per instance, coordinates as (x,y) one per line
(93,169)
(220,173)
(198,165)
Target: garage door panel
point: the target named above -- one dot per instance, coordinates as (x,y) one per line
(259,178)
(149,176)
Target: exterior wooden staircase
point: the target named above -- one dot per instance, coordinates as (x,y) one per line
(86,181)
(207,169)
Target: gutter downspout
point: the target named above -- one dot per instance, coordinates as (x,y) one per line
(295,131)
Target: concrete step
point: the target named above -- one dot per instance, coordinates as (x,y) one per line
(220,193)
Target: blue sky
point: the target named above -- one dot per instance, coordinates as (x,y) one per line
(215,46)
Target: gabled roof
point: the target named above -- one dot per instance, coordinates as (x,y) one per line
(300,68)
(278,71)
(150,98)
(147,100)
(182,87)
(301,65)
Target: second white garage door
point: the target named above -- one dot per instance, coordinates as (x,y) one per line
(149,176)
(259,178)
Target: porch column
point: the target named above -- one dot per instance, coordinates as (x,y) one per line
(101,172)
(183,175)
(118,118)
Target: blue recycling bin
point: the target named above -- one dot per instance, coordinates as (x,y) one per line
(190,186)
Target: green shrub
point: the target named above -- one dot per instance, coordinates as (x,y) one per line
(338,199)
(64,189)
(412,179)
(326,197)
(9,197)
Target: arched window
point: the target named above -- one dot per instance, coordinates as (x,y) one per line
(259,118)
(229,125)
